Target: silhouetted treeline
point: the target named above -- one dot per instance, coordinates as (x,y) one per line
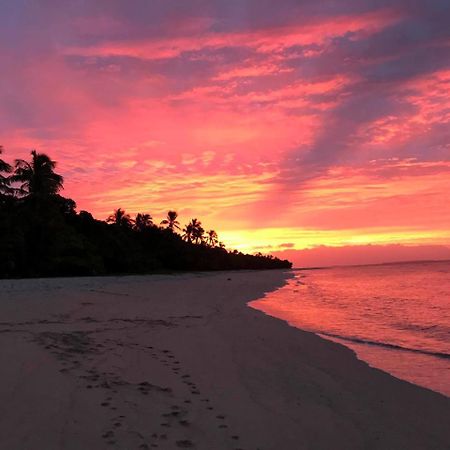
(42,234)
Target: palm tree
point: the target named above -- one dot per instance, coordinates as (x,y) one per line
(4,180)
(171,221)
(143,221)
(187,233)
(211,238)
(38,177)
(120,218)
(197,231)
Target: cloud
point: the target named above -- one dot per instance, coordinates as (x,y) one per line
(388,68)
(312,114)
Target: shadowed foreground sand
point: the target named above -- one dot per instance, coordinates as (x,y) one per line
(181,362)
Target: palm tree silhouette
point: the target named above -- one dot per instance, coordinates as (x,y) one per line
(196,230)
(171,221)
(143,221)
(38,177)
(212,238)
(120,218)
(4,180)
(187,233)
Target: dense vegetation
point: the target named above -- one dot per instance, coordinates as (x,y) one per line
(42,234)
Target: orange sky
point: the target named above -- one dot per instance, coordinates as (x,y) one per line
(283,127)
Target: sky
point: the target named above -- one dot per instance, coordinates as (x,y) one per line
(284,125)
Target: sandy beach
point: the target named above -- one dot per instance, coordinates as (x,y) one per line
(181,361)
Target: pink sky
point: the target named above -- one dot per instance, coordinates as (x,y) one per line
(295,126)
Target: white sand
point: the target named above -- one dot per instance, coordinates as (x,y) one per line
(181,362)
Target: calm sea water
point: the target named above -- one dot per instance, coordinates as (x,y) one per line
(396,317)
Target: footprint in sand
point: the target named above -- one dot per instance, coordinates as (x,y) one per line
(108,434)
(184,444)
(171,414)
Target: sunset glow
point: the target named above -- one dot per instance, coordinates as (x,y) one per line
(283,127)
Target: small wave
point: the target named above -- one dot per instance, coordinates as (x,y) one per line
(385,345)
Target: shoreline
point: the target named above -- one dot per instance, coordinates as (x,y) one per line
(181,361)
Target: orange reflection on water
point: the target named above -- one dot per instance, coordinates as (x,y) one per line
(395,317)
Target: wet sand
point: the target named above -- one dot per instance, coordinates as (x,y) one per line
(182,362)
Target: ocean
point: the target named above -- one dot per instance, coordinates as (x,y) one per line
(396,317)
